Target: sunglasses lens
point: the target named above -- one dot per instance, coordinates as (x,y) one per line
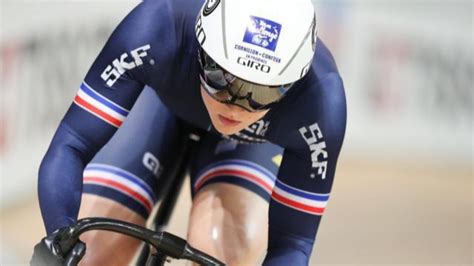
(226,88)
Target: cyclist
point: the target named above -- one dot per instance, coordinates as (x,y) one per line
(242,71)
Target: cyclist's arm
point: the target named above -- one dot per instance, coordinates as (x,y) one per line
(103,101)
(305,178)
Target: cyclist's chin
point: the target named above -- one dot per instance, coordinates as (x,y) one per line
(227,129)
(229,119)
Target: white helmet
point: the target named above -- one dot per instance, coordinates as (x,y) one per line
(267,42)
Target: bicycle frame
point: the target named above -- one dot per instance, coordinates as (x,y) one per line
(175,175)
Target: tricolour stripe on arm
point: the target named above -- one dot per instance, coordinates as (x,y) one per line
(101,107)
(304,201)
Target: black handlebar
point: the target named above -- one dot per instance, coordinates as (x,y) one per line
(164,242)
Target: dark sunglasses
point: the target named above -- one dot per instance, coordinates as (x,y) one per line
(227,88)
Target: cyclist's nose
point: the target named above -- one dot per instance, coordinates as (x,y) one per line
(234,109)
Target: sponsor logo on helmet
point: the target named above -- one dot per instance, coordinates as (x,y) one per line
(200,34)
(253,64)
(262,32)
(210,6)
(257,55)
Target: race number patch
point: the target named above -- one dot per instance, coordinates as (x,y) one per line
(262,32)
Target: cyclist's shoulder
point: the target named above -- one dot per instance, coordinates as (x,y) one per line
(160,20)
(324,61)
(151,38)
(177,11)
(318,100)
(319,97)
(172,7)
(186,8)
(322,84)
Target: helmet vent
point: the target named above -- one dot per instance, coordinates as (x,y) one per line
(297,50)
(224,38)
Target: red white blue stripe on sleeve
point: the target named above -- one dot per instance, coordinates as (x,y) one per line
(240,169)
(98,105)
(121,181)
(304,201)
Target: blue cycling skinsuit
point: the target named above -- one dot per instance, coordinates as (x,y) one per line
(118,133)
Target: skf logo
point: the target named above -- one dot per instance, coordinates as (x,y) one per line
(151,163)
(317,146)
(252,64)
(113,72)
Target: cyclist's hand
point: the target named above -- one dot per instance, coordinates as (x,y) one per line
(49,251)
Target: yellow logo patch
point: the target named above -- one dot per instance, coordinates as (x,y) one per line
(277,159)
